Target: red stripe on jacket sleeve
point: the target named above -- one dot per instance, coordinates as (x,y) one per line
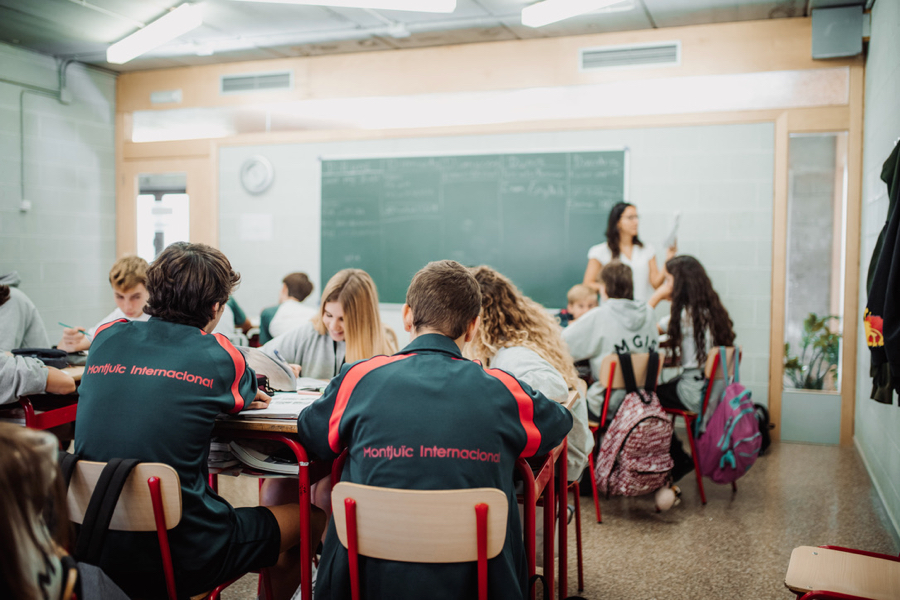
(526,411)
(348,384)
(106,326)
(240,366)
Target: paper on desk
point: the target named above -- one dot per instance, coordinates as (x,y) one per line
(310,384)
(673,233)
(284,405)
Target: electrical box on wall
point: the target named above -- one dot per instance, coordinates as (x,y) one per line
(837,32)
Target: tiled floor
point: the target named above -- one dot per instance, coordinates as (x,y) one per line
(737,546)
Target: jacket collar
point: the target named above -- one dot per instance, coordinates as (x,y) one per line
(433,342)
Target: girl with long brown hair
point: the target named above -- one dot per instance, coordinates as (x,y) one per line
(518,335)
(697,322)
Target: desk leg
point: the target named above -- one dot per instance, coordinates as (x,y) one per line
(305,542)
(562,496)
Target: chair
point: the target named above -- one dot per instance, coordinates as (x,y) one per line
(150,501)
(580,389)
(422,526)
(833,572)
(612,375)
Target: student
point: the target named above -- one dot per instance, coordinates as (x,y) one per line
(347,327)
(233,318)
(623,244)
(21,376)
(697,323)
(127,277)
(296,287)
(21,325)
(517,335)
(619,324)
(34,526)
(151,391)
(581,299)
(431,401)
(241,320)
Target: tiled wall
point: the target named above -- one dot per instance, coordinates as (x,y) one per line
(719,177)
(878,425)
(63,247)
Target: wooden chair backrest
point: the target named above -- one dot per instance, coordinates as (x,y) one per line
(638,362)
(426,526)
(711,358)
(855,575)
(581,387)
(134,511)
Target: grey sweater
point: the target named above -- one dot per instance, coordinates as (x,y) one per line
(319,356)
(20,376)
(527,366)
(20,324)
(617,325)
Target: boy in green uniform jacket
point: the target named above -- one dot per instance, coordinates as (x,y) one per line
(151,391)
(426,418)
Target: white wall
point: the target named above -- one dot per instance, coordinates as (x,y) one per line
(877,431)
(64,246)
(719,177)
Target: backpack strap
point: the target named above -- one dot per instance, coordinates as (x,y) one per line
(100,509)
(652,372)
(67,463)
(628,375)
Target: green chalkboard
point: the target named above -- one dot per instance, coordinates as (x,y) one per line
(530,216)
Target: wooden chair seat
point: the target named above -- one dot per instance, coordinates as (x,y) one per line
(831,572)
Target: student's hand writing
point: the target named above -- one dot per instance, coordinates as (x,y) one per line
(261,401)
(296,369)
(73,340)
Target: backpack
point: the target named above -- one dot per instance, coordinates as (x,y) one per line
(732,440)
(634,456)
(762,417)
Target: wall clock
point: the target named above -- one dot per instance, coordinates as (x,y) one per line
(257,174)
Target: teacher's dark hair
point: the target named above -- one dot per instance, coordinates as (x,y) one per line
(612,229)
(4,294)
(186,280)
(693,294)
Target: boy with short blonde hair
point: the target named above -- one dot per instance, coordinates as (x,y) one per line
(128,279)
(580,299)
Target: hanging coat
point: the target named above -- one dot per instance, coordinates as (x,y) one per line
(882,316)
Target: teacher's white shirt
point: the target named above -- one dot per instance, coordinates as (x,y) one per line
(639,263)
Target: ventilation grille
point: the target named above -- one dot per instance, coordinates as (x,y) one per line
(663,54)
(239,84)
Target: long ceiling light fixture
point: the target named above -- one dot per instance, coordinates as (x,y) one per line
(166,28)
(432,6)
(551,11)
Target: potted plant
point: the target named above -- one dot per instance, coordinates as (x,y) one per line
(819,350)
(810,404)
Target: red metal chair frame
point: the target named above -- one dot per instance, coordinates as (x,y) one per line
(596,432)
(48,419)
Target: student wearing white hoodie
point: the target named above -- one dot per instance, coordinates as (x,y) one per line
(619,324)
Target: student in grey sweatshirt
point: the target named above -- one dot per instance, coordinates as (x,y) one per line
(21,376)
(619,324)
(20,324)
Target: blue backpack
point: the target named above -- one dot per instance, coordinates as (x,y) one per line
(732,440)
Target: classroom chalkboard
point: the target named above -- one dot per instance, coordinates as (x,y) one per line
(530,216)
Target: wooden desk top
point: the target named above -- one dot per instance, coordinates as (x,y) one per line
(271,425)
(842,572)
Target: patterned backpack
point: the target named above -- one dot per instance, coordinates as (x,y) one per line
(634,456)
(732,440)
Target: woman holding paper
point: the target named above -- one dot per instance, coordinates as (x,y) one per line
(622,243)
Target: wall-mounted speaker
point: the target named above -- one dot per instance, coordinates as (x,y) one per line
(837,31)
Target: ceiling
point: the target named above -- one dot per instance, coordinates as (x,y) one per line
(238,31)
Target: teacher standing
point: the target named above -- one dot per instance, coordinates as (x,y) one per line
(622,244)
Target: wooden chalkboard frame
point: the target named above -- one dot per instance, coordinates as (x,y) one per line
(395,236)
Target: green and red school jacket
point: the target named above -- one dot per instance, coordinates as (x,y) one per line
(152,391)
(428,419)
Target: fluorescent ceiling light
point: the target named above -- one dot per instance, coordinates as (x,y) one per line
(551,11)
(166,28)
(434,6)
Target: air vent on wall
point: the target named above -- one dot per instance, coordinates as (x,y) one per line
(637,55)
(256,82)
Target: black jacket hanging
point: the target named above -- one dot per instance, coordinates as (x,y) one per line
(882,317)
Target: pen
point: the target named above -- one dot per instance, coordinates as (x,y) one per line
(82,331)
(281,358)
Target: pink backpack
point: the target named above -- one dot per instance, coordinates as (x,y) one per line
(732,440)
(634,456)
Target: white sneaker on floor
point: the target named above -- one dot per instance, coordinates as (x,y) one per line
(297,593)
